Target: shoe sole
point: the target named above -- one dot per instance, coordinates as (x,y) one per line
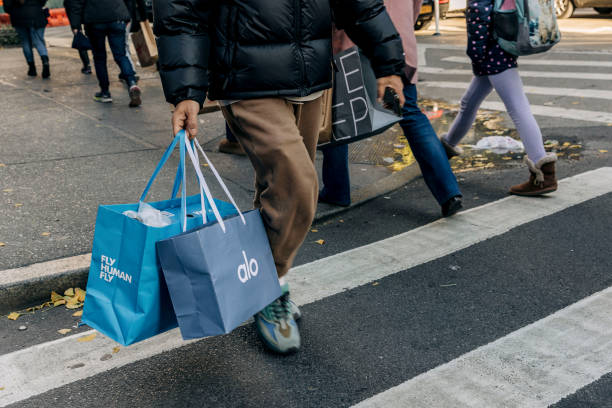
(135,98)
(103,100)
(271,347)
(535,194)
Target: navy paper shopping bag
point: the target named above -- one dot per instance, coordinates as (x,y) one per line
(219,274)
(127,298)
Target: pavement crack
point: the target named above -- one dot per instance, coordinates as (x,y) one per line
(57,159)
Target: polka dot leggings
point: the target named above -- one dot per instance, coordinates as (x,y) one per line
(509,87)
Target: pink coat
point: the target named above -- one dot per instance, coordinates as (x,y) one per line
(404,14)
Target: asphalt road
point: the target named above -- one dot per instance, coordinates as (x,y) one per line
(361,342)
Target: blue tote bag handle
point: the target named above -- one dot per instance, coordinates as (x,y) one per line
(179,180)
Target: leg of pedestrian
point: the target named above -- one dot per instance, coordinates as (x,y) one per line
(279,138)
(26,46)
(542,180)
(336,178)
(85,60)
(116,41)
(229,144)
(479,89)
(429,153)
(38,41)
(97,38)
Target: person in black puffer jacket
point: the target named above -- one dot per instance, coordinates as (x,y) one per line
(102,20)
(29,20)
(268,63)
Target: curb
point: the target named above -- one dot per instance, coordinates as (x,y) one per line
(31,285)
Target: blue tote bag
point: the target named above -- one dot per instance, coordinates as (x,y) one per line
(127,298)
(222,273)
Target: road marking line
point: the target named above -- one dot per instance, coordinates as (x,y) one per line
(534,366)
(26,372)
(562,113)
(44,270)
(541,61)
(525,74)
(533,90)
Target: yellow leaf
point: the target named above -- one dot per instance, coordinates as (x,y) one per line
(64,331)
(603,151)
(506,158)
(576,146)
(59,302)
(375,284)
(55,296)
(80,294)
(1,388)
(2,244)
(8,190)
(116,349)
(18,205)
(69,292)
(314,230)
(85,339)
(320,241)
(13,316)
(566,144)
(73,305)
(46,234)
(2,165)
(77,314)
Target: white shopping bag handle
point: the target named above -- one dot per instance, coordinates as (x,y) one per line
(204,185)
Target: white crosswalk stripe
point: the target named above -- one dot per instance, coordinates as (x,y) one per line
(25,373)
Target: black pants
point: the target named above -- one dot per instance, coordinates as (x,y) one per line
(84,58)
(115,32)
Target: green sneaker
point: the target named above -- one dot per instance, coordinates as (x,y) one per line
(276,325)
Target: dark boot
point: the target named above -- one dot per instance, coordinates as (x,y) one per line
(31,69)
(46,73)
(542,179)
(451,151)
(225,146)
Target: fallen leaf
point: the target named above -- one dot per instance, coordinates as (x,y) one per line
(603,151)
(576,146)
(2,165)
(80,294)
(575,103)
(77,314)
(13,316)
(116,349)
(506,158)
(18,205)
(566,144)
(55,296)
(46,234)
(2,244)
(73,305)
(316,230)
(8,190)
(320,241)
(59,302)
(85,339)
(340,220)
(69,292)
(375,284)
(64,331)
(1,388)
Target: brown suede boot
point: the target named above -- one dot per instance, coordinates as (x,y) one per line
(542,179)
(225,146)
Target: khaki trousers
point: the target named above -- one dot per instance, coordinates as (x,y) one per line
(280,139)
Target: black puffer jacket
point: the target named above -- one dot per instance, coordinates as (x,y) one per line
(259,48)
(28,14)
(96,11)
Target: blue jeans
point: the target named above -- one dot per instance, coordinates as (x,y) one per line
(116,32)
(32,37)
(336,179)
(427,148)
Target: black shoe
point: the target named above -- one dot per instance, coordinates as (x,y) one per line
(451,206)
(324,199)
(86,70)
(31,69)
(122,78)
(103,97)
(135,96)
(46,72)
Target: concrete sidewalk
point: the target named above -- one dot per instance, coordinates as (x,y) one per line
(62,155)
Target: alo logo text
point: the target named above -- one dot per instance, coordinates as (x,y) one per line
(248,269)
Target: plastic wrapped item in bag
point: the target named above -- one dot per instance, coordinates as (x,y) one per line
(500,144)
(149,215)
